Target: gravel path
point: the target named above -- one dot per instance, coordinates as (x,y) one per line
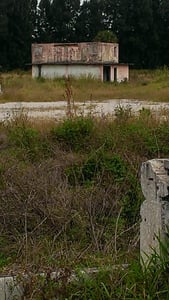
(57,110)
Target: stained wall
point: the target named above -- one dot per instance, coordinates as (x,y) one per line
(77,52)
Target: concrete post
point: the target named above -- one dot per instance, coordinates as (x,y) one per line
(155,209)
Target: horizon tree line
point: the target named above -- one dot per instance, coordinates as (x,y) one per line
(140,26)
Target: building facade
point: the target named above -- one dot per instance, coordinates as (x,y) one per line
(96,59)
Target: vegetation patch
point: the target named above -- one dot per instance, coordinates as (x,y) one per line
(70,199)
(74,133)
(143,85)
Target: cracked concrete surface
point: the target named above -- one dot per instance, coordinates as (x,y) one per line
(57,110)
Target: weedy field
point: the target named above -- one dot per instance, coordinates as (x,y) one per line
(70,192)
(144,85)
(70,199)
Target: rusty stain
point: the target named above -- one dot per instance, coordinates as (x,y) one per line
(93,52)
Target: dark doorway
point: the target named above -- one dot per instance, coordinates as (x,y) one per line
(39,70)
(106,73)
(115,74)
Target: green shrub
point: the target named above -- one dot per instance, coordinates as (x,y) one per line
(131,199)
(137,137)
(147,138)
(4,261)
(106,36)
(99,164)
(74,133)
(28,140)
(23,137)
(162,138)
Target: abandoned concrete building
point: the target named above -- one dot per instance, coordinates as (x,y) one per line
(96,59)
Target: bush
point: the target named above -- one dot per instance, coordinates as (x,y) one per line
(74,133)
(96,166)
(106,36)
(28,140)
(79,207)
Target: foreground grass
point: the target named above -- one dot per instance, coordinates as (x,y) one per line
(143,85)
(70,199)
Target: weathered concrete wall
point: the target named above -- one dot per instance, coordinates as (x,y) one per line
(110,52)
(85,70)
(122,73)
(63,59)
(81,52)
(35,72)
(155,208)
(54,71)
(96,71)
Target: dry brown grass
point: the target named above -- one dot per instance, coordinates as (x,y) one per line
(46,219)
(144,85)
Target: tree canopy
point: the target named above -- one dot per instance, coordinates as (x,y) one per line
(140,26)
(106,36)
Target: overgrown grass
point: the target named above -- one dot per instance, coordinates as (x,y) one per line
(144,85)
(70,199)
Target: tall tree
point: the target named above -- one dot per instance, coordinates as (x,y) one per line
(4,11)
(135,30)
(15,36)
(19,37)
(82,23)
(90,20)
(34,18)
(162,23)
(141,26)
(63,19)
(44,26)
(111,11)
(3,18)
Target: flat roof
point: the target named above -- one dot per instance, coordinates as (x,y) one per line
(73,44)
(107,63)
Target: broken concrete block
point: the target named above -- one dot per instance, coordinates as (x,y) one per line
(10,289)
(155,209)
